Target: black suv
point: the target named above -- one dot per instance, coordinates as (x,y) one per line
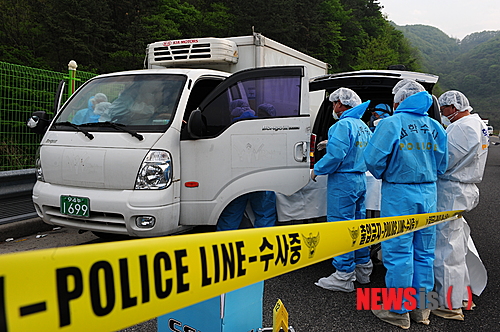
(373,85)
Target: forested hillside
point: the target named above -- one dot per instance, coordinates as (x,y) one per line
(471,65)
(110,35)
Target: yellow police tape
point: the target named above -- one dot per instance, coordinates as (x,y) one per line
(111,286)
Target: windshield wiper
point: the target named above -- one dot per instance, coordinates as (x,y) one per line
(78,128)
(119,126)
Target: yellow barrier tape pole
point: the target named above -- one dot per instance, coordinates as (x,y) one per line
(280,317)
(111,286)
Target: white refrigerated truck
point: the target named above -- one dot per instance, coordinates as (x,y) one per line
(166,151)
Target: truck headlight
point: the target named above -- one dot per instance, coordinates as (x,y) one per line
(38,167)
(155,171)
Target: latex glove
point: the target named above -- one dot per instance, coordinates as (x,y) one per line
(321,145)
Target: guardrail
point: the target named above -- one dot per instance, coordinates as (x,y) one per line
(15,195)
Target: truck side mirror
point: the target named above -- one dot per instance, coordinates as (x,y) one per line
(38,122)
(196,125)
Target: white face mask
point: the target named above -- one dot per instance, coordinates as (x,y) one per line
(452,116)
(445,121)
(335,116)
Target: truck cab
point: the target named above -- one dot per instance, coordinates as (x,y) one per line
(158,151)
(163,152)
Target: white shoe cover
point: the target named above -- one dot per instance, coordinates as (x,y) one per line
(421,316)
(400,320)
(363,272)
(338,281)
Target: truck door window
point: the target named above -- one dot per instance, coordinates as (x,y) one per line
(253,99)
(200,91)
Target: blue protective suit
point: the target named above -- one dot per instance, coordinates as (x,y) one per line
(345,167)
(263,204)
(86,115)
(408,151)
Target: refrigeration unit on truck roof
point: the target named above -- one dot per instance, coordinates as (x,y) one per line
(189,52)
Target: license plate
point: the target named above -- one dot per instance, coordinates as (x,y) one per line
(75,206)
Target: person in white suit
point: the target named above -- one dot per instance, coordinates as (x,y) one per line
(468,142)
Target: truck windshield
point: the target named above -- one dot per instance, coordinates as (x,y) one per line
(145,102)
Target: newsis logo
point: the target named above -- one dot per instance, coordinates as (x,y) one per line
(398,298)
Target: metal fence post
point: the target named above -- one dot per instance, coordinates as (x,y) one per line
(72,77)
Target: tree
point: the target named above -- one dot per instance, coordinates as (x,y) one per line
(112,35)
(475,39)
(370,42)
(389,48)
(21,34)
(318,29)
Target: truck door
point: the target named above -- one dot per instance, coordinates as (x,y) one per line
(256,132)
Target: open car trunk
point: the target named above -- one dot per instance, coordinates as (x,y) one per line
(373,85)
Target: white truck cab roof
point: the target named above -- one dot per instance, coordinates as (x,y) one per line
(162,70)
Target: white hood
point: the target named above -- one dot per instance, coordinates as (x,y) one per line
(93,163)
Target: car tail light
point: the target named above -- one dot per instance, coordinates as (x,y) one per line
(312,149)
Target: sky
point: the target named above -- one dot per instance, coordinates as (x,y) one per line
(457,18)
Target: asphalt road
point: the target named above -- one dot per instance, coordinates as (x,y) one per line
(311,308)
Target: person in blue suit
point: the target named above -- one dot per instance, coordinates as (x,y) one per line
(345,167)
(408,151)
(87,115)
(380,112)
(266,111)
(241,110)
(263,204)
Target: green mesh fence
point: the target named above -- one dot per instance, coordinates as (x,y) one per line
(24,90)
